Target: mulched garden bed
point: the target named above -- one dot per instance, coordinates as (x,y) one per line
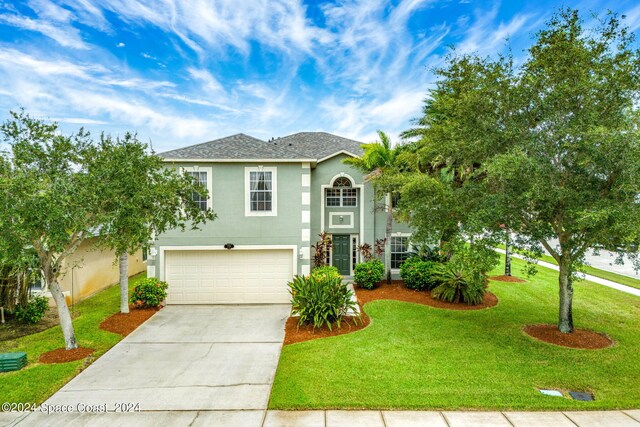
(398,291)
(511,279)
(13,328)
(124,324)
(298,333)
(579,338)
(395,291)
(61,355)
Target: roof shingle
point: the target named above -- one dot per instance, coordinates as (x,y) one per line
(303,145)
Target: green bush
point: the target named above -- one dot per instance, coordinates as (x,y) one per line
(320,300)
(368,274)
(326,272)
(419,274)
(33,311)
(149,292)
(459,285)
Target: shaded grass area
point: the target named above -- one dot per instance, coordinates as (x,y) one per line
(419,357)
(597,272)
(36,382)
(13,328)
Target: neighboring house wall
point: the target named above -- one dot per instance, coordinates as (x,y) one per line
(227,183)
(96,269)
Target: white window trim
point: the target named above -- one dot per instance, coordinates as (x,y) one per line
(409,246)
(361,201)
(357,243)
(274,191)
(341,197)
(332,224)
(209,171)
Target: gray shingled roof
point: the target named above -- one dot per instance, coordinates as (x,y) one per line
(303,145)
(238,146)
(319,145)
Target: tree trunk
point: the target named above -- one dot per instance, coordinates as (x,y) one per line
(565,321)
(63,314)
(387,235)
(507,255)
(124,282)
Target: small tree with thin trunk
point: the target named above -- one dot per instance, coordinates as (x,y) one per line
(140,198)
(48,201)
(377,158)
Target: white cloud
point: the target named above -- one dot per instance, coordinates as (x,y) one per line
(120,44)
(78,120)
(209,83)
(483,37)
(64,34)
(279,24)
(48,86)
(633,18)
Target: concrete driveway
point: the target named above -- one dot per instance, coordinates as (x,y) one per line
(188,358)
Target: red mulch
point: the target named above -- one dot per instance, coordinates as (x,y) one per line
(512,279)
(398,291)
(579,338)
(297,333)
(124,324)
(395,291)
(61,355)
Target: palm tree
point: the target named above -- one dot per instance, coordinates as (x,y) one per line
(379,157)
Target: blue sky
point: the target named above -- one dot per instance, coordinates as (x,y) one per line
(181,72)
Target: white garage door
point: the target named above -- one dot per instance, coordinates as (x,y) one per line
(228,276)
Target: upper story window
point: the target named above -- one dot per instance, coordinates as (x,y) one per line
(260,185)
(395,199)
(201,178)
(342,194)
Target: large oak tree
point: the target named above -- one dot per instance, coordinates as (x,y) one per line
(551,147)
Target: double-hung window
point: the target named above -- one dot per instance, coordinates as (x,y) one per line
(201,178)
(399,250)
(342,194)
(261,187)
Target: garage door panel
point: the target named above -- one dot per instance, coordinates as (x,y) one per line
(228,277)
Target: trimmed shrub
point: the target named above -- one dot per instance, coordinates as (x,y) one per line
(419,274)
(33,311)
(326,272)
(320,300)
(149,292)
(368,274)
(458,285)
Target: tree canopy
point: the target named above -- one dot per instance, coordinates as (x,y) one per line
(58,190)
(550,148)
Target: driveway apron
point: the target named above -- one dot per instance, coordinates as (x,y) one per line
(188,358)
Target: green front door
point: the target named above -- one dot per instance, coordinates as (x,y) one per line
(341,253)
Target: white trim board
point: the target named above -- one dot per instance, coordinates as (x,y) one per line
(348,153)
(339,214)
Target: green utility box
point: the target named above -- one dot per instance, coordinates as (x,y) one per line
(13,361)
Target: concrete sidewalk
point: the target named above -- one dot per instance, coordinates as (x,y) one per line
(594,279)
(258,418)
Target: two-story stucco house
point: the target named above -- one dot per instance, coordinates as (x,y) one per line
(273,199)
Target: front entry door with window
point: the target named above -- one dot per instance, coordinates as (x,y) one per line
(341,253)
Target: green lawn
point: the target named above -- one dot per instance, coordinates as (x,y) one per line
(419,357)
(37,381)
(603,274)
